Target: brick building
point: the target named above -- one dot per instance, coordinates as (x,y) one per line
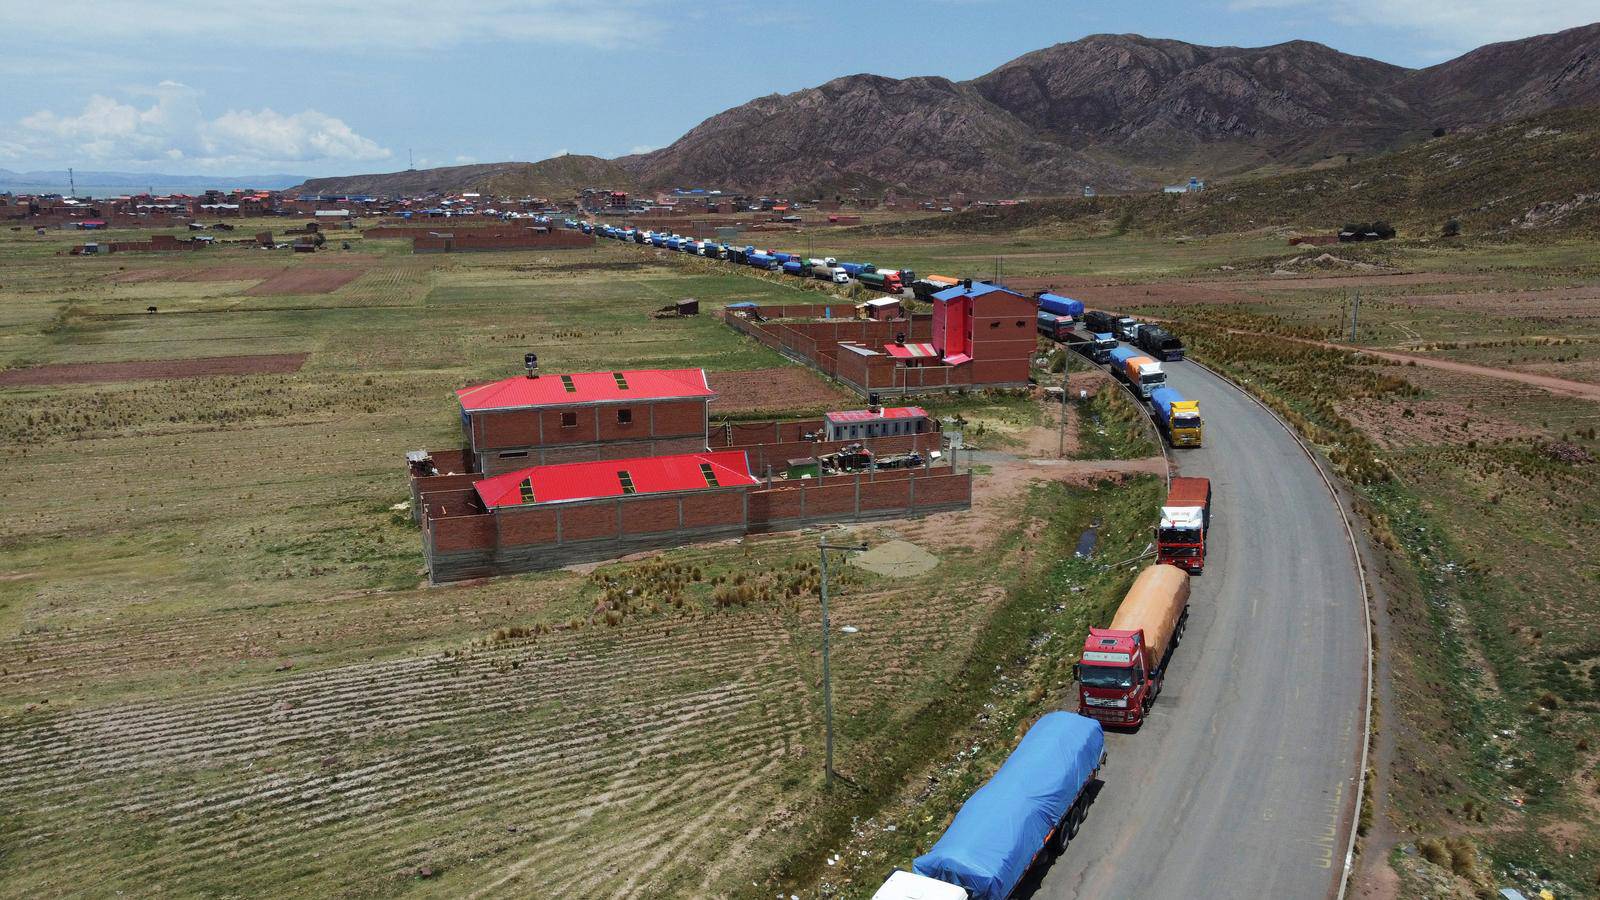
(544,419)
(569,468)
(979,336)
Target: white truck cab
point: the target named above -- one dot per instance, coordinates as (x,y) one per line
(903,885)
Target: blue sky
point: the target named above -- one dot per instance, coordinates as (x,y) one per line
(234,87)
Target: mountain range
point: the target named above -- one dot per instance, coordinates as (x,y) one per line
(1119,112)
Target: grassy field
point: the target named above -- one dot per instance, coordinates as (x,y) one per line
(220,672)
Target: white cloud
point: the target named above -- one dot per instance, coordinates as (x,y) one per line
(641,148)
(371,25)
(464,160)
(173,130)
(1462,24)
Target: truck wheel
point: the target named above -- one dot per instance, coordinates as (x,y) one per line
(1074,819)
(1059,837)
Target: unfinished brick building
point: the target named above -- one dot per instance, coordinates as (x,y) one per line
(591,486)
(979,336)
(534,419)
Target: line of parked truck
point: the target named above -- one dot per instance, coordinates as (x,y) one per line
(1036,802)
(889,281)
(1098,336)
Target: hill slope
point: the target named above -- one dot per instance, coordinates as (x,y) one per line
(1535,175)
(559,176)
(1116,111)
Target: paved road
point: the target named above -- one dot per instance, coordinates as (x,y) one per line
(1238,783)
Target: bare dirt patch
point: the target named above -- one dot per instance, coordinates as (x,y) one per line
(214,273)
(1324,282)
(779,388)
(307,281)
(144,370)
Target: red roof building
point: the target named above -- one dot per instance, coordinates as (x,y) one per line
(617,478)
(523,392)
(517,422)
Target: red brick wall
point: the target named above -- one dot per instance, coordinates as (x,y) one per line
(514,428)
(588,521)
(463,533)
(527,526)
(713,508)
(650,515)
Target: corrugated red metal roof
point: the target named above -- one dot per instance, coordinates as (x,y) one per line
(911,351)
(586,387)
(593,480)
(887,412)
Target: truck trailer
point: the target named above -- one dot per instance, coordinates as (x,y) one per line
(1123,665)
(1160,343)
(1030,809)
(1057,305)
(925,287)
(881,280)
(1185,519)
(1178,419)
(795,267)
(1142,373)
(1095,320)
(855,269)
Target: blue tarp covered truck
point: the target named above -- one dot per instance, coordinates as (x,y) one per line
(1031,807)
(1057,305)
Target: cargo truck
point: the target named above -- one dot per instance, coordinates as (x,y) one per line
(761,261)
(1054,327)
(887,281)
(1178,419)
(1185,520)
(925,287)
(830,273)
(1142,373)
(795,267)
(1057,305)
(1097,347)
(1098,321)
(1029,810)
(1160,343)
(855,269)
(1123,665)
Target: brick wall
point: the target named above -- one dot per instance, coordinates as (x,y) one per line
(520,539)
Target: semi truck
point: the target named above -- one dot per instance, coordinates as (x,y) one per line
(1178,419)
(1029,810)
(761,261)
(1057,305)
(855,269)
(1098,321)
(1160,343)
(830,273)
(1096,347)
(1124,664)
(795,267)
(1142,373)
(881,280)
(1185,520)
(925,287)
(1054,327)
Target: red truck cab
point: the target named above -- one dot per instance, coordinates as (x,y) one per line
(1115,685)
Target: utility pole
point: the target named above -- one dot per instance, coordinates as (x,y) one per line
(72,182)
(1061,441)
(1355,316)
(827,684)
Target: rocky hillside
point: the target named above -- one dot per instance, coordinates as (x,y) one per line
(1535,176)
(559,176)
(1120,112)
